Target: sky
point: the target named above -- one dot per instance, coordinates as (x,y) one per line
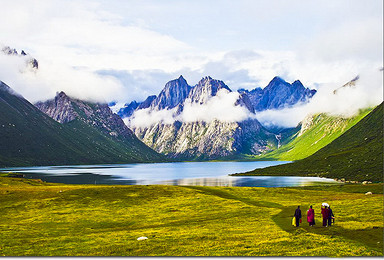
(126,50)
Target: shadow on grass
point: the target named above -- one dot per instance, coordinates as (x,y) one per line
(368,237)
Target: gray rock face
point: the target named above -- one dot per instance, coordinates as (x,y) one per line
(64,109)
(206,88)
(207,140)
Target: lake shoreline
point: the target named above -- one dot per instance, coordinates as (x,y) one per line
(167,173)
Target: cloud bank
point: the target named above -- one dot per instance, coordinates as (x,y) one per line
(43,83)
(220,107)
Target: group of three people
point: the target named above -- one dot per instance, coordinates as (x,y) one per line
(326,212)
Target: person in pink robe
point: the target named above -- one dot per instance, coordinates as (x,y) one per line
(325,213)
(311,216)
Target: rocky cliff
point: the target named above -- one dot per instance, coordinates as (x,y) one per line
(207,140)
(64,109)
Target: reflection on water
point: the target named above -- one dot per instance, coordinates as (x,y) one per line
(184,173)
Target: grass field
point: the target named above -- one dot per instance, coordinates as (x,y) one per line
(42,219)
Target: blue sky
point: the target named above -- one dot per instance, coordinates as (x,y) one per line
(125,50)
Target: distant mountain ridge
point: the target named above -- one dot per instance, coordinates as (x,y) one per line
(279,94)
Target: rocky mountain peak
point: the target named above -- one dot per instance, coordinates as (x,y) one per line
(60,108)
(276,82)
(9,51)
(65,109)
(128,109)
(350,84)
(298,84)
(61,95)
(173,94)
(206,88)
(32,62)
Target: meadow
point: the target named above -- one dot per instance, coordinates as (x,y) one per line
(46,219)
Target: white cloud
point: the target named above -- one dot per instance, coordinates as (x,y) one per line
(220,107)
(43,83)
(146,117)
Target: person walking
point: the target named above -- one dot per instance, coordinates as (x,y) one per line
(330,216)
(311,216)
(297,216)
(325,214)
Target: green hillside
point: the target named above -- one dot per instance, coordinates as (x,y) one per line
(355,155)
(29,137)
(322,130)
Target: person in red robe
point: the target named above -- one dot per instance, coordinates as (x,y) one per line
(311,216)
(325,214)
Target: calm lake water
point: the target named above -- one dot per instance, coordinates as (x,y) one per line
(180,173)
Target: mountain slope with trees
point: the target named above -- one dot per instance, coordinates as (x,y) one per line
(29,137)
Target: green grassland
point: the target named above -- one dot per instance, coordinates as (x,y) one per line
(323,130)
(42,219)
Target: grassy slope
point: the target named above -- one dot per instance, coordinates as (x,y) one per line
(81,220)
(355,155)
(29,137)
(325,129)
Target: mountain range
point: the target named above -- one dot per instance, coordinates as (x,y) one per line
(277,94)
(213,139)
(65,130)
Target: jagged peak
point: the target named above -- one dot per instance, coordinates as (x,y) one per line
(9,51)
(180,81)
(205,79)
(214,84)
(277,79)
(297,83)
(61,94)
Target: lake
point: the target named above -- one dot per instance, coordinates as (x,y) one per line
(178,173)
